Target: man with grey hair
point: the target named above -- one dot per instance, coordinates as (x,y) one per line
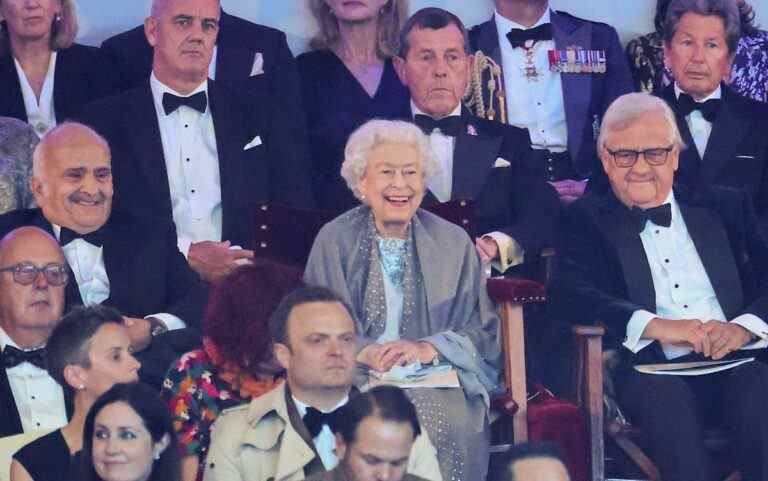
(675,275)
(724,131)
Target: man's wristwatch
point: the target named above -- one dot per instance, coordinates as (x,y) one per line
(156,327)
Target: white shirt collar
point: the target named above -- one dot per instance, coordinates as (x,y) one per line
(302,407)
(717,94)
(504,25)
(159,88)
(417,111)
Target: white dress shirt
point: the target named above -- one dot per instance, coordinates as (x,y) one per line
(87,264)
(39,399)
(683,289)
(40,112)
(325,441)
(192,162)
(535,105)
(700,127)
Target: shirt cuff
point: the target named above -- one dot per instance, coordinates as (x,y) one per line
(171,322)
(756,326)
(510,251)
(634,336)
(184,245)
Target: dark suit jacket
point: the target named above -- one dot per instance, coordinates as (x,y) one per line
(338,474)
(603,274)
(586,96)
(83,74)
(147,275)
(275,171)
(737,150)
(507,199)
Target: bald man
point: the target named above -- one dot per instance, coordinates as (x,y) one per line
(130,263)
(33,274)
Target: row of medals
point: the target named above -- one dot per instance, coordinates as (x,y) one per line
(571,60)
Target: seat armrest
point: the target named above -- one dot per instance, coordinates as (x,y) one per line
(516,291)
(589,389)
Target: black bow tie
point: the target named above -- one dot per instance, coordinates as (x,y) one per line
(171,102)
(661,216)
(450,126)
(314,420)
(12,357)
(517,36)
(686,105)
(68,235)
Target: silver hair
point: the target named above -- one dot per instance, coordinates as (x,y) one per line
(625,110)
(376,132)
(727,10)
(157,7)
(38,155)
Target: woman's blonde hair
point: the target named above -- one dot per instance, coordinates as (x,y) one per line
(390,20)
(63,29)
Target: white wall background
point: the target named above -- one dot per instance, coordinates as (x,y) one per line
(102,18)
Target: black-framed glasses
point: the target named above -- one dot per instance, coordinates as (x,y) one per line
(627,158)
(25,273)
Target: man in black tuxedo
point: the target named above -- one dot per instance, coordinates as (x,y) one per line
(480,160)
(724,131)
(560,102)
(117,259)
(675,275)
(189,150)
(33,274)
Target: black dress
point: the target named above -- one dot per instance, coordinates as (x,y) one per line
(336,104)
(47,459)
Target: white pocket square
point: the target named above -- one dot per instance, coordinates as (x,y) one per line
(258,64)
(501,163)
(745,156)
(253,143)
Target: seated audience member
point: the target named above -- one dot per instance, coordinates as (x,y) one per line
(749,72)
(17,142)
(675,275)
(189,150)
(347,79)
(479,159)
(33,274)
(559,102)
(416,287)
(87,353)
(375,432)
(285,434)
(236,362)
(129,436)
(117,259)
(529,462)
(724,132)
(45,75)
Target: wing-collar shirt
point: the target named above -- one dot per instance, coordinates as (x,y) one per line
(700,127)
(683,289)
(87,264)
(325,441)
(40,112)
(192,163)
(39,399)
(534,105)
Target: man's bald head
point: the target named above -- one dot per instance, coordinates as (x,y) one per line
(72,177)
(28,313)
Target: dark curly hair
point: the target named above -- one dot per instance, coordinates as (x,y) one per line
(236,319)
(746,15)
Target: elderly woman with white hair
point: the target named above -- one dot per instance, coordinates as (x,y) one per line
(46,77)
(416,286)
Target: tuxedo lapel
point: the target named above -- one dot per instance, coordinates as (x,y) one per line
(729,128)
(577,88)
(711,241)
(11,100)
(473,159)
(118,251)
(10,422)
(617,226)
(690,162)
(60,76)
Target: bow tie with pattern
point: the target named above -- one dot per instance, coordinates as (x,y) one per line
(708,109)
(12,357)
(450,126)
(314,420)
(68,235)
(171,102)
(661,216)
(517,36)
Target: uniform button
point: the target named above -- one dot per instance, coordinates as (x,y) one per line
(666,260)
(37,424)
(685,306)
(193,191)
(550,168)
(186,126)
(187,159)
(33,397)
(677,285)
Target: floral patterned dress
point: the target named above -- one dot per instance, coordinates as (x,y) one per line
(197,389)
